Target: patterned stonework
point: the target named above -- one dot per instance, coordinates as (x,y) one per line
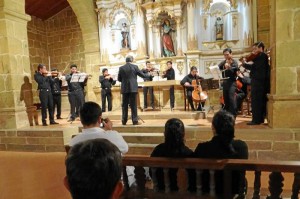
(193,62)
(120,7)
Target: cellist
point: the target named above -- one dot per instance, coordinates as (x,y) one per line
(229,67)
(187,83)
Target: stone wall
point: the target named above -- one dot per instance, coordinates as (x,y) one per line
(263,22)
(59,38)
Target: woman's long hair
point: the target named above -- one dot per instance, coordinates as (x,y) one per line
(174,135)
(224,122)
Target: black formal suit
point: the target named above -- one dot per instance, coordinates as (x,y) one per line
(170,75)
(45,95)
(214,149)
(229,86)
(260,86)
(129,88)
(106,85)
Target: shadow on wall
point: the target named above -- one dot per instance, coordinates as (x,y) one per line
(26,95)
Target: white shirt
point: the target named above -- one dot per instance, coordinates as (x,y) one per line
(96,132)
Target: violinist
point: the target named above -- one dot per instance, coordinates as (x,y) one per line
(229,67)
(149,77)
(170,75)
(56,92)
(43,78)
(75,93)
(260,82)
(106,82)
(187,83)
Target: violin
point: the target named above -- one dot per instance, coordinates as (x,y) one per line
(53,73)
(249,57)
(198,95)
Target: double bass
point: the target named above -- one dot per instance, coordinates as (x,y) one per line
(198,95)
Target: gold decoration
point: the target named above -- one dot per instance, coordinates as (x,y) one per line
(102,16)
(207,64)
(193,62)
(118,8)
(217,13)
(180,67)
(206,4)
(220,44)
(234,19)
(133,32)
(163,65)
(179,52)
(192,43)
(233,4)
(192,3)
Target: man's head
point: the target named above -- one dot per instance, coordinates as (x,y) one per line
(258,47)
(90,114)
(42,68)
(169,64)
(104,71)
(129,59)
(73,68)
(227,52)
(194,71)
(223,124)
(93,170)
(148,65)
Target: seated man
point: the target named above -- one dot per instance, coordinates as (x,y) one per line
(90,117)
(223,146)
(187,83)
(93,170)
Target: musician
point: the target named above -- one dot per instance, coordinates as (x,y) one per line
(260,82)
(128,77)
(106,82)
(56,92)
(149,77)
(241,91)
(43,78)
(229,67)
(75,93)
(170,75)
(187,82)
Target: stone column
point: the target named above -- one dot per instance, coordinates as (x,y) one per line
(284,100)
(140,31)
(192,39)
(14,63)
(150,42)
(179,39)
(246,9)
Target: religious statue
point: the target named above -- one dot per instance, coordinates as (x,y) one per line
(167,43)
(219,28)
(125,34)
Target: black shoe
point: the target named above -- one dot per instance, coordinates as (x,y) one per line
(70,120)
(59,118)
(136,123)
(253,123)
(45,124)
(53,122)
(123,123)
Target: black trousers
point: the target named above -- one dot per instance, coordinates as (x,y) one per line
(258,101)
(240,96)
(172,97)
(129,98)
(229,88)
(57,104)
(46,102)
(105,94)
(145,90)
(76,99)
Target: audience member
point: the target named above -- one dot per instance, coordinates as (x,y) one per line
(223,146)
(173,147)
(90,116)
(93,170)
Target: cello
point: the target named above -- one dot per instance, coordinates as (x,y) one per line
(198,95)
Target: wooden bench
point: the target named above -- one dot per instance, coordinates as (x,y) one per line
(149,190)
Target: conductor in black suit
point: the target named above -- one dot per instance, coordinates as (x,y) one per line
(129,87)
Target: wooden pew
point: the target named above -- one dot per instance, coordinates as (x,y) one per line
(142,190)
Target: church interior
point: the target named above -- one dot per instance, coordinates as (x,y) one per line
(98,34)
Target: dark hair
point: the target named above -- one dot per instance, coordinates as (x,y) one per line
(54,69)
(89,113)
(193,68)
(129,58)
(174,135)
(224,122)
(104,69)
(260,44)
(40,66)
(227,50)
(73,65)
(93,169)
(147,62)
(169,62)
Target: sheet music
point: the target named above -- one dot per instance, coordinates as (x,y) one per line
(215,71)
(78,77)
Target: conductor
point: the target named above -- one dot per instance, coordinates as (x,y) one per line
(128,77)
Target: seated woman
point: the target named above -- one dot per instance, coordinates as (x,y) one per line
(173,147)
(223,146)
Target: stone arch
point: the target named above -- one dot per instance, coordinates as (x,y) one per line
(87,19)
